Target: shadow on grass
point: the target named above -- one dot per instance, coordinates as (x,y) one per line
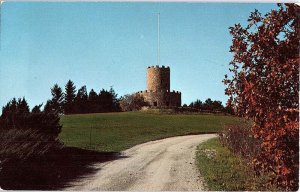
(53,172)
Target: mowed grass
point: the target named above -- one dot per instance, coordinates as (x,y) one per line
(118,131)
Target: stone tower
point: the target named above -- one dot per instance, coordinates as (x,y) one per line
(158,92)
(158,79)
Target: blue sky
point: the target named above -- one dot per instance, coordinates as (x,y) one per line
(111,44)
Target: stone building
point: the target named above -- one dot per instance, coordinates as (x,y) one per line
(158,92)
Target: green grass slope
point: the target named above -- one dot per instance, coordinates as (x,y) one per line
(119,131)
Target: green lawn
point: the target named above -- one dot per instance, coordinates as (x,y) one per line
(224,171)
(119,131)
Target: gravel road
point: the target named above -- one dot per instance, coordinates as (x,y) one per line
(167,164)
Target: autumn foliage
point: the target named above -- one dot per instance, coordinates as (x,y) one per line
(264,86)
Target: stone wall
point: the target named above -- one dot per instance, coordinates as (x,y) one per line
(162,98)
(158,78)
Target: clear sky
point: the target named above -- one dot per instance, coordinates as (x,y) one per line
(111,44)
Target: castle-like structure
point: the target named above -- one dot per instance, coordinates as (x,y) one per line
(158,92)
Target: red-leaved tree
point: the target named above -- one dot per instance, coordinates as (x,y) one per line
(264,86)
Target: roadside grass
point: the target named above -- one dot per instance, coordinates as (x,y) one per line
(118,131)
(224,171)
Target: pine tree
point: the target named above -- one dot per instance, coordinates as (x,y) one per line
(93,102)
(48,107)
(36,109)
(7,119)
(22,106)
(16,115)
(69,99)
(81,100)
(116,105)
(57,99)
(207,105)
(105,101)
(198,104)
(217,106)
(191,105)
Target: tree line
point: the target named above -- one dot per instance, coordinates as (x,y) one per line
(73,102)
(33,134)
(210,105)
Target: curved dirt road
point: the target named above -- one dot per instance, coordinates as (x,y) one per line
(167,164)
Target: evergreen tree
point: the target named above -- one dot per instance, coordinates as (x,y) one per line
(22,111)
(217,106)
(198,104)
(93,102)
(69,99)
(105,101)
(22,106)
(207,105)
(12,106)
(48,107)
(116,104)
(16,115)
(7,119)
(191,105)
(36,109)
(57,99)
(81,100)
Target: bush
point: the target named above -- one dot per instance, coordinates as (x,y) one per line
(16,115)
(26,137)
(132,102)
(264,87)
(241,142)
(239,139)
(20,152)
(18,146)
(23,144)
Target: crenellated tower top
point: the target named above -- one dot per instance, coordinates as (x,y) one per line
(158,78)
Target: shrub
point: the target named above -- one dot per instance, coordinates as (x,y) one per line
(25,136)
(23,144)
(18,150)
(16,115)
(132,102)
(264,87)
(239,139)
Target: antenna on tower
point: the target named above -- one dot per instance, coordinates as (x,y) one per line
(158,40)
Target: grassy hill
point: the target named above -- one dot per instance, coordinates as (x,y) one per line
(119,131)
